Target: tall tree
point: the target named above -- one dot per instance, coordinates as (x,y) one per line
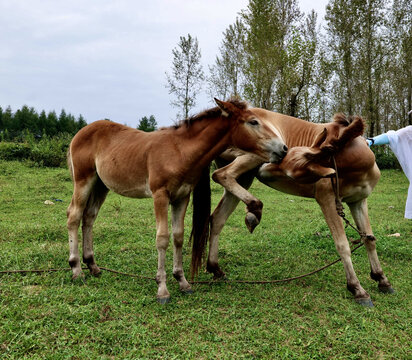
(226,74)
(269,28)
(299,69)
(343,30)
(147,124)
(400,28)
(187,74)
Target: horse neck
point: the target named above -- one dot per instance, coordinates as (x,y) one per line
(207,138)
(297,132)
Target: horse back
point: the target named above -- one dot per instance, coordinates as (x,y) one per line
(115,153)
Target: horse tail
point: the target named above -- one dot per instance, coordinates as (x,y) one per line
(69,162)
(201,221)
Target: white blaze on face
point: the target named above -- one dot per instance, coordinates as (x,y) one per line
(275,130)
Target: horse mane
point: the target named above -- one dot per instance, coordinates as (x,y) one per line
(210,113)
(353,126)
(343,130)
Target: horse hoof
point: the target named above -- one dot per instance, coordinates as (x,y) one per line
(163,301)
(220,278)
(187,291)
(79,279)
(97,273)
(365,302)
(387,290)
(251,221)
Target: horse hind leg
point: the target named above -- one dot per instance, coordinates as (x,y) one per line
(75,212)
(327,203)
(95,201)
(359,212)
(219,217)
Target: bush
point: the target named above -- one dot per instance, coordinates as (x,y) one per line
(14,151)
(385,158)
(50,152)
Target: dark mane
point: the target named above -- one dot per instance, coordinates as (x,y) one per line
(210,113)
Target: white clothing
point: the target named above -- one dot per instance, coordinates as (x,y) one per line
(400,142)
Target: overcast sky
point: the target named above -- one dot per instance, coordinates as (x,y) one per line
(106,58)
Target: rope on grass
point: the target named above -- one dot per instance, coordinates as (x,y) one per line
(192,282)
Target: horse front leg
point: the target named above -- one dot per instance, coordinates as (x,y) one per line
(326,199)
(178,215)
(226,176)
(161,204)
(219,217)
(359,212)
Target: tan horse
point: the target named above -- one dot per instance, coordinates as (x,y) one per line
(165,165)
(358,174)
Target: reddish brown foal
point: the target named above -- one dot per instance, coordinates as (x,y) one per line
(165,165)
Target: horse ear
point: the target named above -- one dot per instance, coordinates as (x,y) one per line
(223,106)
(320,138)
(321,171)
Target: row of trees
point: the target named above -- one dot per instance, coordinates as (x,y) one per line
(280,59)
(14,125)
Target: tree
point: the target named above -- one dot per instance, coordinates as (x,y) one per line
(147,124)
(298,71)
(343,31)
(270,25)
(81,122)
(400,29)
(226,74)
(187,75)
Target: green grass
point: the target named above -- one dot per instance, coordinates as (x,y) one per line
(46,316)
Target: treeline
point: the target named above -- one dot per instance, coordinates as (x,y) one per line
(360,62)
(16,125)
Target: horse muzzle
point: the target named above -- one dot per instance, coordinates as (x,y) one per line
(277,151)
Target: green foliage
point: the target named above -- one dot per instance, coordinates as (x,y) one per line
(385,158)
(187,75)
(51,152)
(46,316)
(13,126)
(14,151)
(147,124)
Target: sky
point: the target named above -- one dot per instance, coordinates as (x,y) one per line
(105,58)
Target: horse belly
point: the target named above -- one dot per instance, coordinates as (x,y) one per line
(358,185)
(279,181)
(124,182)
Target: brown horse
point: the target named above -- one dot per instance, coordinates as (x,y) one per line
(166,165)
(311,146)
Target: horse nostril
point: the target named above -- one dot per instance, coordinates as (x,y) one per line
(285,148)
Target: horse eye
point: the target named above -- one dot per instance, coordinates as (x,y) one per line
(253,122)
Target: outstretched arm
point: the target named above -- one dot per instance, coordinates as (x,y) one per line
(381,139)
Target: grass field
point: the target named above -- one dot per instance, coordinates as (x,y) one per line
(46,316)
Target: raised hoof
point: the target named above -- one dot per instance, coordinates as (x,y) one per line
(365,302)
(251,221)
(187,292)
(163,301)
(387,290)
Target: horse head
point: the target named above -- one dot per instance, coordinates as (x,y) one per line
(252,134)
(308,164)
